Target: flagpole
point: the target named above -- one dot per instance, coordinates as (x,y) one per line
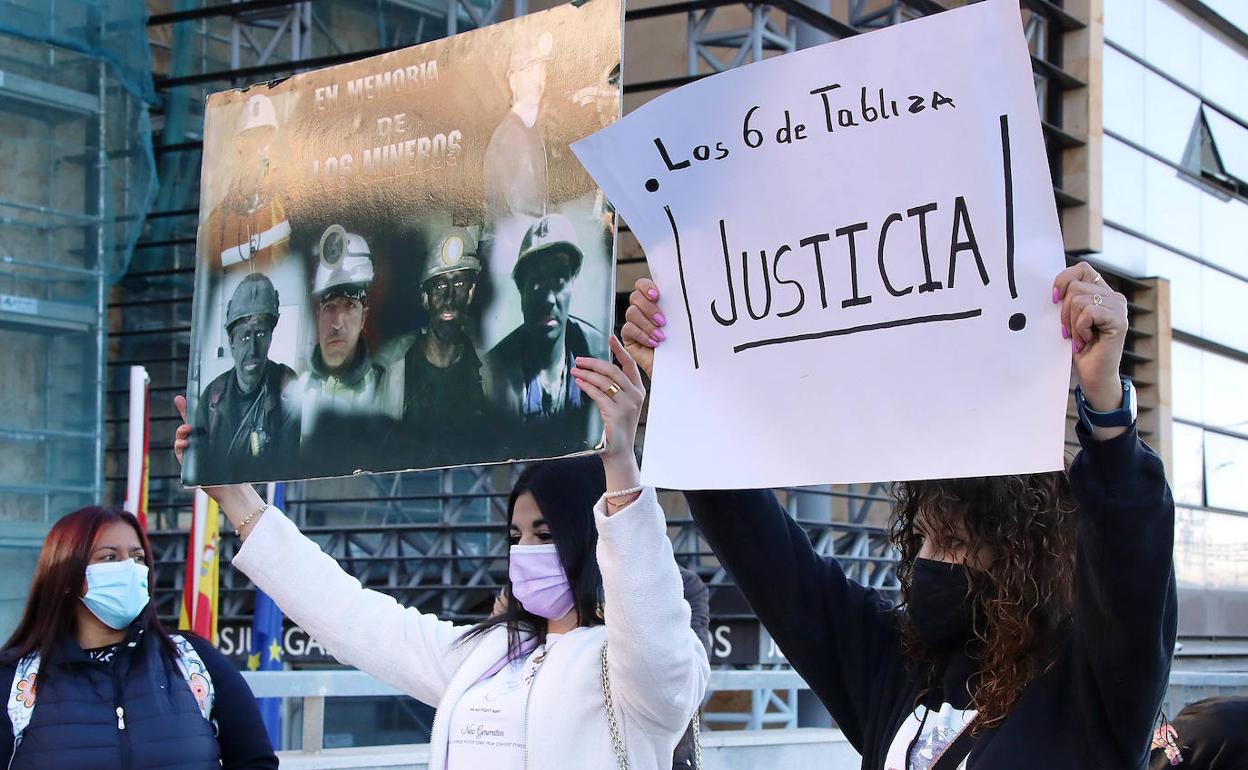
(265,651)
(194,553)
(136,457)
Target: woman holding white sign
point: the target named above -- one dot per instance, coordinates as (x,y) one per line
(589,661)
(1039,611)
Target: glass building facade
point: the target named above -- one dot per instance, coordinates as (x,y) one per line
(1175,201)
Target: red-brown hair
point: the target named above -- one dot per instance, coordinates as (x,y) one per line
(57,586)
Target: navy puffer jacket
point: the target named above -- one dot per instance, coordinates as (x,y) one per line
(135,712)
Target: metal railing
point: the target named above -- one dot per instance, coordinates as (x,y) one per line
(313,687)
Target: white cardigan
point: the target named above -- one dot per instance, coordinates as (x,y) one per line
(658,667)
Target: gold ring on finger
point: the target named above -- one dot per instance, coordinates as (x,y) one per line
(613,388)
(1097,299)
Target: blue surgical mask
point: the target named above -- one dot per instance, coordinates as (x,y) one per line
(116,592)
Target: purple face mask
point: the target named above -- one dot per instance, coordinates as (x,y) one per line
(538,581)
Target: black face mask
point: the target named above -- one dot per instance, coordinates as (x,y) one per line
(938,607)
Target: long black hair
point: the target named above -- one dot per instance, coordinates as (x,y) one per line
(565,491)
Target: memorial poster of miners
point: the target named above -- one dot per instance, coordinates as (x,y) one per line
(854,243)
(399,258)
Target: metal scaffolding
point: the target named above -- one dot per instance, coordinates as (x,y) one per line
(73,109)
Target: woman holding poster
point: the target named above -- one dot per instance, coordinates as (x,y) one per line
(590,663)
(1039,611)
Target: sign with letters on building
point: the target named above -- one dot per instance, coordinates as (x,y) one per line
(855,245)
(743,643)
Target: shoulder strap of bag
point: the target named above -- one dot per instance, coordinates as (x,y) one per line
(196,675)
(617,742)
(22,695)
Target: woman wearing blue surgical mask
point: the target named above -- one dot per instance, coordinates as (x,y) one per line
(92,679)
(588,662)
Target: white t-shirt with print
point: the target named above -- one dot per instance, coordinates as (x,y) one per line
(930,736)
(487,725)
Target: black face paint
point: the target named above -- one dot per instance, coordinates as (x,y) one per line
(943,616)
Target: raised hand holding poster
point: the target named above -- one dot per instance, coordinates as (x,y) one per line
(399,258)
(856,245)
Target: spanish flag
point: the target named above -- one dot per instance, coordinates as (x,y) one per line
(200,582)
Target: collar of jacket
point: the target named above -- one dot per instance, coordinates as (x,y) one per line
(352,375)
(66,650)
(468,358)
(954,676)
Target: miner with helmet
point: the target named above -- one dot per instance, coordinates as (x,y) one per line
(441,372)
(248,430)
(249,230)
(342,381)
(528,372)
(516,166)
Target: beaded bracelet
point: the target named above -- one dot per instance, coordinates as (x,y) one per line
(238,531)
(622,492)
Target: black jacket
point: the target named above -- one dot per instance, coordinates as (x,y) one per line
(699,598)
(75,726)
(575,428)
(1210,734)
(1093,709)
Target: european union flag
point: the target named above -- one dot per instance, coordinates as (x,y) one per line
(265,653)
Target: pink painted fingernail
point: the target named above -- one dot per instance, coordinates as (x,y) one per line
(1057,297)
(652,294)
(1076,345)
(652,342)
(1065,332)
(659,335)
(659,319)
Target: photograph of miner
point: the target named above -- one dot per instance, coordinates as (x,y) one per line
(516,165)
(441,372)
(527,373)
(245,419)
(436,369)
(344,393)
(248,305)
(249,228)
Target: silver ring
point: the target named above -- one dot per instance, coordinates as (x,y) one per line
(1097,299)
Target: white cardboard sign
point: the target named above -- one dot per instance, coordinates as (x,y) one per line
(856,245)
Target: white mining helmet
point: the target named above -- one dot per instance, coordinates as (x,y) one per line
(345,264)
(527,52)
(258,112)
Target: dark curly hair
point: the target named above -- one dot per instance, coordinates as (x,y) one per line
(1024,527)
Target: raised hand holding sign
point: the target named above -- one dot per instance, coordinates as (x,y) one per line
(856,242)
